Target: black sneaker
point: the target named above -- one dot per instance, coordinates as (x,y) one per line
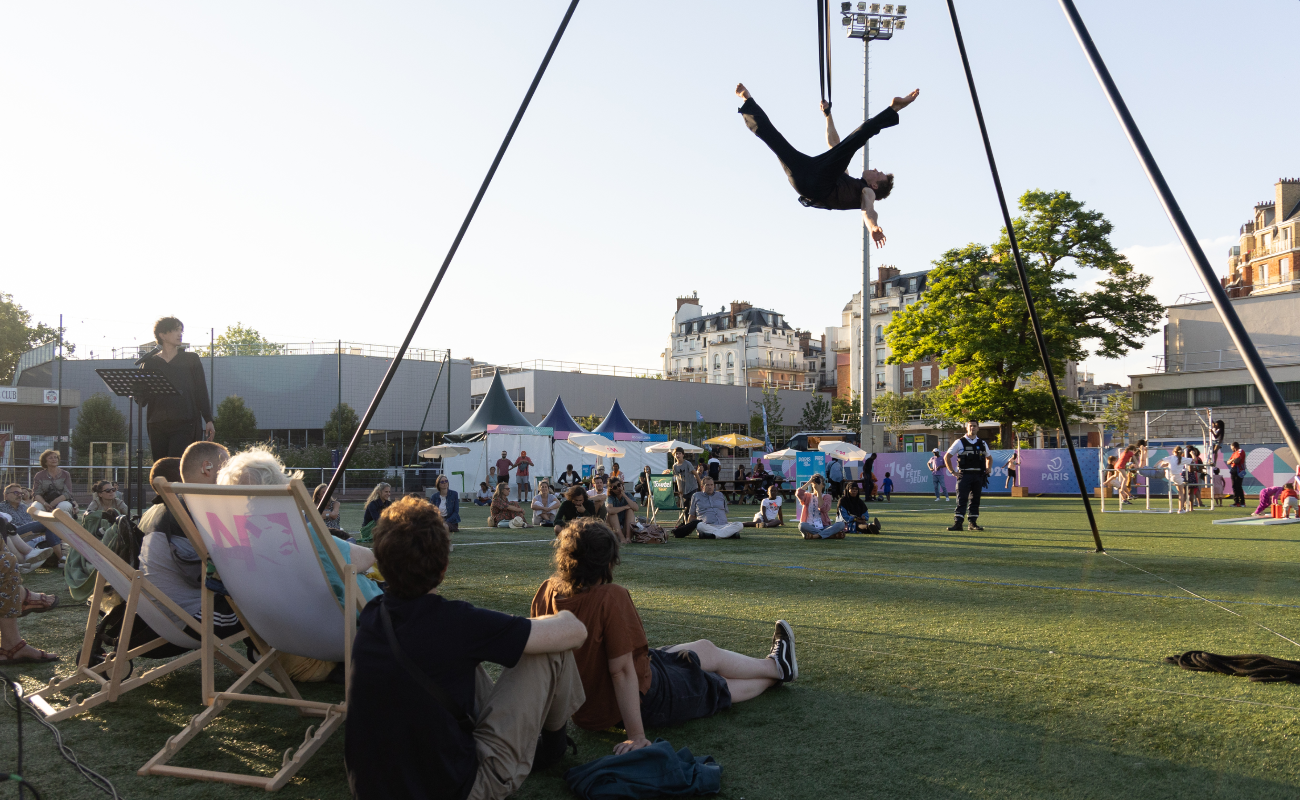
(704,535)
(874,527)
(973,527)
(956,526)
(783,651)
(550,748)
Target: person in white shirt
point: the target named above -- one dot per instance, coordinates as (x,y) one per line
(1175,472)
(975,462)
(544,505)
(769,511)
(937,468)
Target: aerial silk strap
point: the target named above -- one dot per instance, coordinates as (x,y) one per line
(824,48)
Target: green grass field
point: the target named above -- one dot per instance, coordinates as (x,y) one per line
(1009,663)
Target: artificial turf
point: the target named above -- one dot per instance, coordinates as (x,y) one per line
(1009,663)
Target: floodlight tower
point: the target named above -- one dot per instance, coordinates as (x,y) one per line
(868,22)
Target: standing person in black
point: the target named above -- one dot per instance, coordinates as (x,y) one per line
(974,463)
(176,421)
(821,180)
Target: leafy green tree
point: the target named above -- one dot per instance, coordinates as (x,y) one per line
(97,421)
(847,411)
(1115,414)
(591,422)
(235,423)
(241,341)
(974,318)
(816,414)
(895,410)
(18,335)
(938,406)
(775,416)
(341,426)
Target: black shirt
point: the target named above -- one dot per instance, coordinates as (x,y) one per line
(399,741)
(854,505)
(570,511)
(375,509)
(185,372)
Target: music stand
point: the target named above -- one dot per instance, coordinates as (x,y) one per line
(132,383)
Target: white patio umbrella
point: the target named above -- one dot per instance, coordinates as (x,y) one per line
(671,445)
(597,445)
(782,455)
(443,451)
(844,451)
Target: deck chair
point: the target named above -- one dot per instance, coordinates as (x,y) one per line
(143,601)
(663,497)
(265,553)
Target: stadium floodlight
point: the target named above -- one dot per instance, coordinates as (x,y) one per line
(875,8)
(862,6)
(889,9)
(902,9)
(847,21)
(845,6)
(899,24)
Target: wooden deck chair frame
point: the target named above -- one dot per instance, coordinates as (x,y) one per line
(655,508)
(134,588)
(269,661)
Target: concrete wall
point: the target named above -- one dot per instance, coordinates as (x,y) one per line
(1269,319)
(641,398)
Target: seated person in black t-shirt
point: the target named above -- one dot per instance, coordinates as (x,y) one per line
(853,511)
(401,741)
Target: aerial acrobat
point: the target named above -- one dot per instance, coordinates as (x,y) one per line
(821,180)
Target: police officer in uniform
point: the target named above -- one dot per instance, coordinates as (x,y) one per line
(974,463)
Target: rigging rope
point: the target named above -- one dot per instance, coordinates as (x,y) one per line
(824,49)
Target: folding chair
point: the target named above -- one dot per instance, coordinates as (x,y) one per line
(663,497)
(143,601)
(258,539)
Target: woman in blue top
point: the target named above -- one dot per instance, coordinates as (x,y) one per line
(448,502)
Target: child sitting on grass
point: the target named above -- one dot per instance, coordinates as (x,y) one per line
(628,684)
(887,487)
(769,513)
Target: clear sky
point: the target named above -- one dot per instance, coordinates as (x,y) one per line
(302,167)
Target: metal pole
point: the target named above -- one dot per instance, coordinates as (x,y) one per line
(866,424)
(339,405)
(1246,347)
(58,427)
(1024,282)
(451,252)
(449,368)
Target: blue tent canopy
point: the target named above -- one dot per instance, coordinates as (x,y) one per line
(497,409)
(561,420)
(617,422)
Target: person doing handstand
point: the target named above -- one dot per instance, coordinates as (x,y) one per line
(821,180)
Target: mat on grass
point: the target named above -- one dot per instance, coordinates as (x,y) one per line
(1256,521)
(1261,668)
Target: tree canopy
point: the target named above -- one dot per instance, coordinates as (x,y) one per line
(975,322)
(235,422)
(241,341)
(98,420)
(775,415)
(341,425)
(18,335)
(816,414)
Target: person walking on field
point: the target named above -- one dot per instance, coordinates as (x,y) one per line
(935,464)
(821,180)
(974,461)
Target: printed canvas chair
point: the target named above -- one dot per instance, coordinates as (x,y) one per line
(143,601)
(663,497)
(259,542)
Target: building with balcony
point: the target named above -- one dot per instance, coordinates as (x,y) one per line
(1264,260)
(740,345)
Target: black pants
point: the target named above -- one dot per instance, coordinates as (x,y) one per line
(969,489)
(1238,491)
(110,627)
(171,438)
(814,177)
(685,529)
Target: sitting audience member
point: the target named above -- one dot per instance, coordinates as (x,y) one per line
(505,512)
(11,510)
(17,601)
(769,511)
(332,515)
(569,477)
(258,466)
(814,508)
(620,510)
(169,469)
(105,499)
(479,739)
(380,498)
(598,491)
(708,515)
(544,505)
(576,504)
(484,496)
(447,501)
(52,488)
(853,512)
(626,683)
(492,479)
(642,489)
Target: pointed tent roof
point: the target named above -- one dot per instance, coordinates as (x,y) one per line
(497,409)
(561,420)
(617,422)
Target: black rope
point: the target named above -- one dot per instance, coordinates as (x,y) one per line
(437,281)
(1024,281)
(824,49)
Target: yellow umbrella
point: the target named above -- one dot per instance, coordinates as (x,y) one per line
(735,440)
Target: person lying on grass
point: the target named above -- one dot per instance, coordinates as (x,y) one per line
(628,684)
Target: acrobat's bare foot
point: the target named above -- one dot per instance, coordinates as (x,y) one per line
(901,103)
(742,92)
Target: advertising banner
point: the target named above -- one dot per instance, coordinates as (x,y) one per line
(8,394)
(808,464)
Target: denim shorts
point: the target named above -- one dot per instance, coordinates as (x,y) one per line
(680,690)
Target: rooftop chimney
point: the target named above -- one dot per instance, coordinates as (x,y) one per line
(1288,196)
(885,273)
(693,300)
(738,306)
